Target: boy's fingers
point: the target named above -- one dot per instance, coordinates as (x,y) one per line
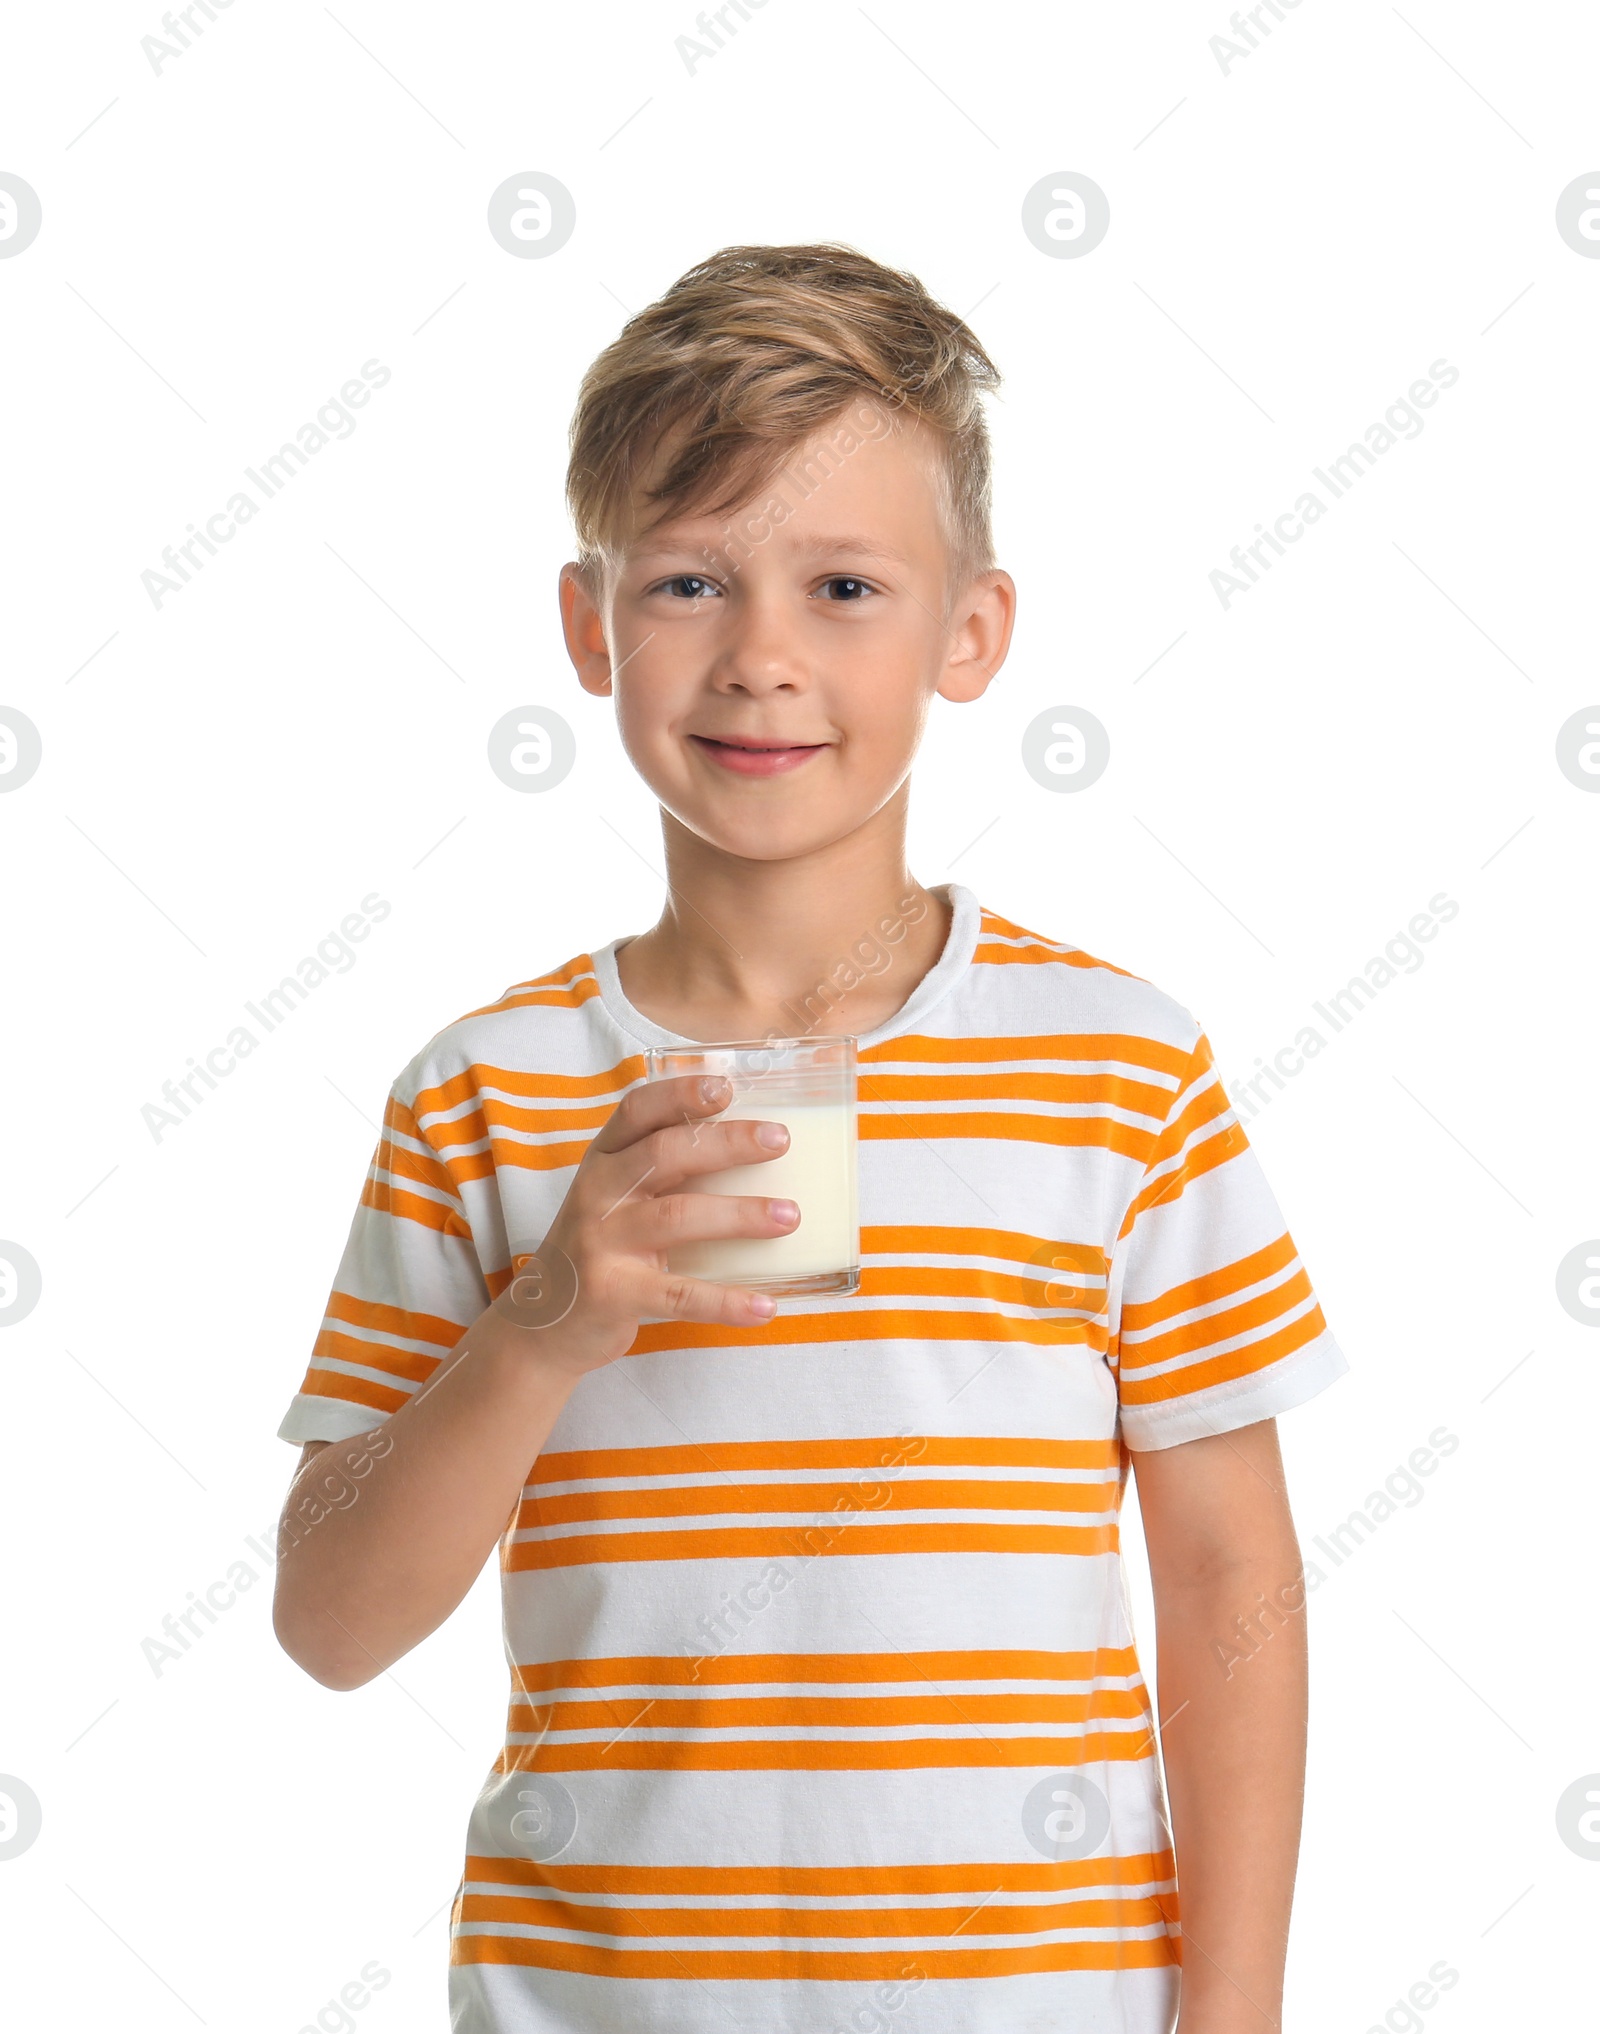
(680,1151)
(653,1105)
(669,1296)
(695,1218)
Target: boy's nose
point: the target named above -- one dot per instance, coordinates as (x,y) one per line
(758,656)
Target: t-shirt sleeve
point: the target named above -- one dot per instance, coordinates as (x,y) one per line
(408,1285)
(1213,1321)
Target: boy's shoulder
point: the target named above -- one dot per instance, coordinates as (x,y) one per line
(544,1028)
(1036,984)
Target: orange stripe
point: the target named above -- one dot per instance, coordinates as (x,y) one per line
(537,1088)
(1204,1158)
(882,1925)
(731,1882)
(1038,953)
(831,1712)
(1066,1284)
(574,1465)
(352,1390)
(1223,1369)
(374,1356)
(385,1198)
(824,1754)
(473,1126)
(707,1500)
(885,1324)
(387,1320)
(511,1157)
(402,1163)
(1090,1089)
(772,1543)
(1212,1286)
(560,986)
(906,1239)
(1211,1329)
(1073,1132)
(850,1966)
(1071,1046)
(672,1670)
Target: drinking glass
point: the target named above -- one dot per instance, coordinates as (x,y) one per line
(808,1085)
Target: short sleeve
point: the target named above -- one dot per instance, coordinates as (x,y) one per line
(408,1285)
(1214,1324)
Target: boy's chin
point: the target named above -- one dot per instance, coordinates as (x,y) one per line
(767,836)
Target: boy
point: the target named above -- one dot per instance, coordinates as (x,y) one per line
(825,1712)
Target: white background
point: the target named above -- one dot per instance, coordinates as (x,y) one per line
(227,776)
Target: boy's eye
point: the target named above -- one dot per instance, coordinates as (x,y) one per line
(843,587)
(687,586)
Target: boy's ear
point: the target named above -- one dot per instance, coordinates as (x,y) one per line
(979,632)
(583,625)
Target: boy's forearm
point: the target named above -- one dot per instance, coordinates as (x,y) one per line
(1233,1745)
(415,1511)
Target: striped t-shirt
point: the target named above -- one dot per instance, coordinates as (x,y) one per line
(825,1711)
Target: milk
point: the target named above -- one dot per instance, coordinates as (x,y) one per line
(817,1172)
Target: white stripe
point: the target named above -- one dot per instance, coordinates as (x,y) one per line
(918,1684)
(838,1733)
(933,1904)
(420,1188)
(800,1522)
(1064,1063)
(820,1945)
(950,1303)
(1008,1105)
(362,1370)
(376,1338)
(738,1479)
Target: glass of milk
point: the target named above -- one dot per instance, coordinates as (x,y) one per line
(808,1085)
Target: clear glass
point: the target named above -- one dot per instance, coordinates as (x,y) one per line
(808,1085)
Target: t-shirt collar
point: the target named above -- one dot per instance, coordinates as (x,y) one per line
(954,960)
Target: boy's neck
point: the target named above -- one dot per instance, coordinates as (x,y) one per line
(835,941)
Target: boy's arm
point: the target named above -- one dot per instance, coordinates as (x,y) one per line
(384,1534)
(1222,1548)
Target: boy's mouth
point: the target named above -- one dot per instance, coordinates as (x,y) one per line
(754,758)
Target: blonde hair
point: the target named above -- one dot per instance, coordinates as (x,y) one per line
(743,358)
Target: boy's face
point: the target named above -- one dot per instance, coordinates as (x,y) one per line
(816,619)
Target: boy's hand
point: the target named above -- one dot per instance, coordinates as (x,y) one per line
(602,1267)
